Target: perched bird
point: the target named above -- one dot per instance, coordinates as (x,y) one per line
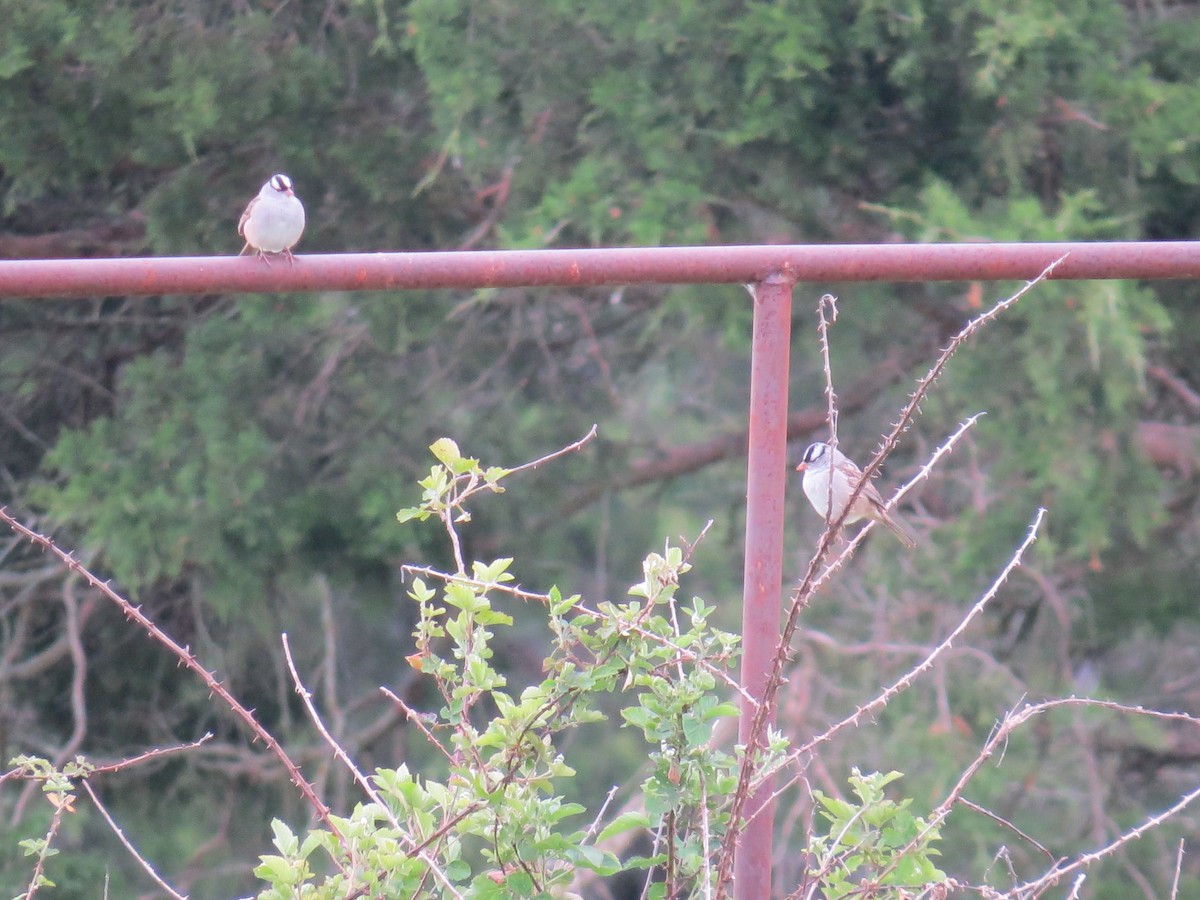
(823,464)
(274,220)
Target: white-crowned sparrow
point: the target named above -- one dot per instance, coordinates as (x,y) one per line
(274,220)
(821,463)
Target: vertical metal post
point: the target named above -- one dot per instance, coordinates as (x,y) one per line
(762,586)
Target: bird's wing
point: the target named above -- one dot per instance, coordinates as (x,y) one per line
(245,216)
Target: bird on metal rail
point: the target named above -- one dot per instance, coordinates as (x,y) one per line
(274,220)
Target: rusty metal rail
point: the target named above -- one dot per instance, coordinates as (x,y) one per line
(531,268)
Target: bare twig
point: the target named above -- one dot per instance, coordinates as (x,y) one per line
(157,752)
(474,483)
(827,315)
(1004,823)
(1177,386)
(882,699)
(1000,737)
(128,845)
(419,720)
(338,751)
(187,658)
(78,672)
(1032,888)
(594,828)
(908,413)
(363,781)
(570,448)
(1178,869)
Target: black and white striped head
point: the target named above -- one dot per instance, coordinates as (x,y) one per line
(815,455)
(281,184)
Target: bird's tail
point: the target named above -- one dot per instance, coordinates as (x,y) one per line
(898,527)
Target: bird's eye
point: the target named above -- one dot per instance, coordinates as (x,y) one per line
(281,183)
(814,452)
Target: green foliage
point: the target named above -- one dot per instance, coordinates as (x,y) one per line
(1101,493)
(874,847)
(496,825)
(450,483)
(201,487)
(57,784)
(863,98)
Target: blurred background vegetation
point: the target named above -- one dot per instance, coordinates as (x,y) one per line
(235,462)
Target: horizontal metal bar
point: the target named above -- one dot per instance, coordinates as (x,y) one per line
(661,265)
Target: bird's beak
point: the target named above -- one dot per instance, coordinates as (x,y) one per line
(802,467)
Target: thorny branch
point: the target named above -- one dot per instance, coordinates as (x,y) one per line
(802,594)
(1011,722)
(128,845)
(186,657)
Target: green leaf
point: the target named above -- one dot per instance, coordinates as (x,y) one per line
(458,871)
(493,474)
(446,452)
(696,730)
(599,861)
(278,871)
(625,822)
(285,839)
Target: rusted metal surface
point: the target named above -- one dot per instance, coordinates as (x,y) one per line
(662,265)
(762,584)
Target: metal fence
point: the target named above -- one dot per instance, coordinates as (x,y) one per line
(770,271)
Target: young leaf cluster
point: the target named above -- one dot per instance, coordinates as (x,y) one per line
(493,822)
